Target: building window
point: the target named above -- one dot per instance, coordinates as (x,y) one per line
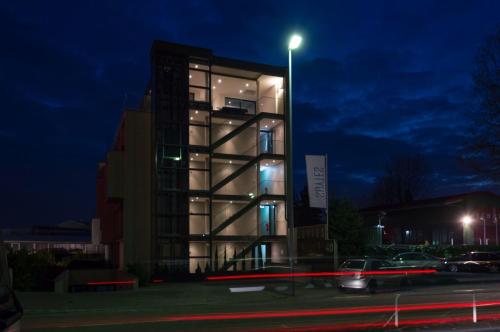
(266,141)
(247,105)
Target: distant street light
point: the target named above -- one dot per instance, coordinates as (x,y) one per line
(466,220)
(294,43)
(468,237)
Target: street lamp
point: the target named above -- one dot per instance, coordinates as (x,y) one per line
(467,231)
(294,43)
(466,220)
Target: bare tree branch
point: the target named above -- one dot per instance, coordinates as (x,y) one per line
(483,149)
(405,178)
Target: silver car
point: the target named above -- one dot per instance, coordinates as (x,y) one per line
(416,259)
(370,283)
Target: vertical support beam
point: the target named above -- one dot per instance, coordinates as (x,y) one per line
(289,173)
(495,218)
(210,203)
(474,309)
(396,310)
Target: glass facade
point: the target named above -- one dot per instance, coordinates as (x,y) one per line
(210,178)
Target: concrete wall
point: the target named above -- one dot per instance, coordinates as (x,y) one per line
(279,139)
(137,189)
(244,184)
(199,225)
(244,143)
(270,94)
(198,180)
(272,178)
(198,135)
(222,170)
(115,174)
(281,225)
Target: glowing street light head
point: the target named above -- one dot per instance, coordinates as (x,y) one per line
(295,42)
(466,220)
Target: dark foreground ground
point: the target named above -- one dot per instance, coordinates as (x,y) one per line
(437,303)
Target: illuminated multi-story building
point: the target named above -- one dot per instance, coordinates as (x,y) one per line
(196,177)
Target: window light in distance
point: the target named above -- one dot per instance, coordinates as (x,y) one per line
(295,42)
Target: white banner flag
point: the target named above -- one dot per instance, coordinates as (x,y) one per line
(316,181)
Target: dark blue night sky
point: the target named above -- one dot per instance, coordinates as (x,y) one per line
(373,79)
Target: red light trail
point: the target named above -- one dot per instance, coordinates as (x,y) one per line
(157,281)
(379,325)
(330,311)
(110,321)
(123,282)
(319,274)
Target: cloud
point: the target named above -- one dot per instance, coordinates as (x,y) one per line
(371,81)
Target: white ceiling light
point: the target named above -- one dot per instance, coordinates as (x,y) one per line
(195,112)
(219,81)
(247,85)
(241,91)
(190,76)
(196,66)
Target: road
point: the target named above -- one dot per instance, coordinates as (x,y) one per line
(212,307)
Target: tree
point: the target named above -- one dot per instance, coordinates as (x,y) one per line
(483,149)
(345,226)
(405,178)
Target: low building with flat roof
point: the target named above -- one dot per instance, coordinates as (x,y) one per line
(468,218)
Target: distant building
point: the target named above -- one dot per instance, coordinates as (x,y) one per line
(469,218)
(195,179)
(68,235)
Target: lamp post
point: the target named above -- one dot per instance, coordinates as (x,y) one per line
(380,227)
(294,43)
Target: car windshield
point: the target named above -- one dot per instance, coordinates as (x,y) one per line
(353,264)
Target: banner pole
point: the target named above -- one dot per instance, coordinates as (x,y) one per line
(327,235)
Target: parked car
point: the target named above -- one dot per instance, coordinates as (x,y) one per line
(474,261)
(10,308)
(370,283)
(419,260)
